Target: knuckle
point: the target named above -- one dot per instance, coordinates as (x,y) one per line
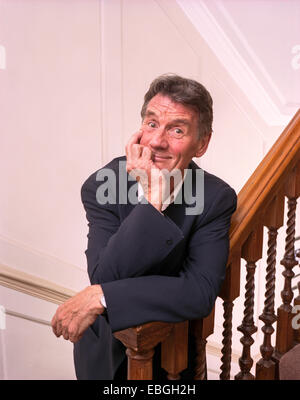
(59,314)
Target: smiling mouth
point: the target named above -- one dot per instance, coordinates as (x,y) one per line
(157,157)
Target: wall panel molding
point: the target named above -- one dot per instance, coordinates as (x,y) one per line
(27,317)
(33,285)
(111,25)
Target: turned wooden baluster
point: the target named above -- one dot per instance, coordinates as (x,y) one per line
(297,299)
(284,336)
(201,329)
(251,252)
(265,367)
(296,316)
(174,351)
(230,291)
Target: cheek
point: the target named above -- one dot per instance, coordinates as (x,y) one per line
(175,148)
(143,141)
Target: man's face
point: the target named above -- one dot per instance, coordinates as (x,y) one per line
(170,131)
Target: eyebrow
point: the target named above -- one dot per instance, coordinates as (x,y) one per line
(181,121)
(150,114)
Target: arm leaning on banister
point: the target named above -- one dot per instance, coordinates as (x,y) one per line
(133,299)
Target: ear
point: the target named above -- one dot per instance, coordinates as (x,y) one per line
(203,145)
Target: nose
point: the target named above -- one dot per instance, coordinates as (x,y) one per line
(159,139)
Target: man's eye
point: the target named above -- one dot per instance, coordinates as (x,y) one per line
(152,124)
(176,133)
(177,130)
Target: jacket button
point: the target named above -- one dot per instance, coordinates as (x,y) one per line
(169,242)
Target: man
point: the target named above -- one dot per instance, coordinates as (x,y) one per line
(157,259)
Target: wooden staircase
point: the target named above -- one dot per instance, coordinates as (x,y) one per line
(261,203)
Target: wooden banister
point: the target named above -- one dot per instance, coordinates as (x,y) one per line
(260,203)
(264,183)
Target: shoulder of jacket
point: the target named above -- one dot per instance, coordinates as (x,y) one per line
(113,165)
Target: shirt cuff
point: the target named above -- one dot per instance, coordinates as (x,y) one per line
(102,301)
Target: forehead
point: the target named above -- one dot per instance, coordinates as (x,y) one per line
(164,106)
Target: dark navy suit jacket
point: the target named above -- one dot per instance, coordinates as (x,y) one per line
(151,267)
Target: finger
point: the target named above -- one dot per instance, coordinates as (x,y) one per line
(146,153)
(74,332)
(65,334)
(75,339)
(135,139)
(136,151)
(53,323)
(56,328)
(59,328)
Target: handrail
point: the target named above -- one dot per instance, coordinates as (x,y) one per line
(264,183)
(261,204)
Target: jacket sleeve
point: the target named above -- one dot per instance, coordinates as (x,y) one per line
(114,247)
(139,299)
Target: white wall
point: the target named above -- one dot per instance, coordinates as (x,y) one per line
(28,348)
(71,94)
(50,142)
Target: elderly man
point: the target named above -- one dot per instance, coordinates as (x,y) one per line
(163,256)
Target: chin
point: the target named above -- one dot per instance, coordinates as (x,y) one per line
(161,165)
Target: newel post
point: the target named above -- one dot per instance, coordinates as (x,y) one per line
(140,342)
(174,350)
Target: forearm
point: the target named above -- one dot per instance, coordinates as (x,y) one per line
(136,301)
(142,242)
